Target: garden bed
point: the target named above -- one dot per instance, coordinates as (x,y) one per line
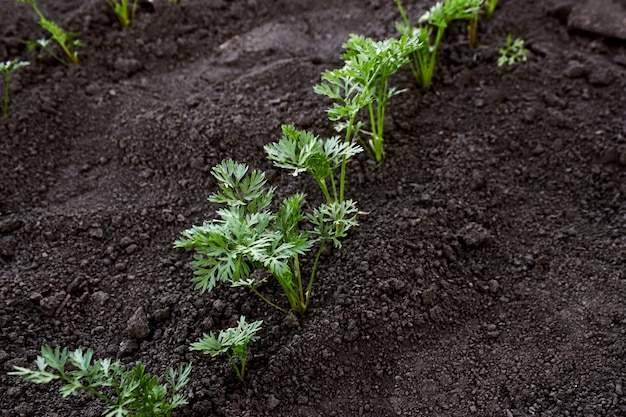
(487,278)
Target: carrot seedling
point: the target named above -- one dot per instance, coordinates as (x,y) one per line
(125,392)
(68,41)
(300,151)
(124,11)
(349,98)
(232,342)
(247,239)
(513,52)
(363,82)
(437,18)
(6,68)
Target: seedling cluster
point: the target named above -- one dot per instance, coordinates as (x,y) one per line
(254,241)
(125,392)
(247,238)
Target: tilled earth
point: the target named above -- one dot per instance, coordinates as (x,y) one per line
(488,277)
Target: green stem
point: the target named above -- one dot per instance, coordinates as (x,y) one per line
(370,109)
(262,297)
(403,13)
(432,57)
(348,139)
(324,188)
(332,183)
(90,389)
(309,288)
(298,276)
(55,56)
(240,373)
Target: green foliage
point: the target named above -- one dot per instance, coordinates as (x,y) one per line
(132,392)
(68,41)
(363,82)
(123,10)
(233,342)
(247,237)
(301,151)
(6,68)
(436,19)
(490,7)
(513,52)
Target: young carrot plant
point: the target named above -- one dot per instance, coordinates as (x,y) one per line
(124,11)
(301,151)
(68,41)
(246,237)
(350,97)
(6,68)
(369,65)
(513,52)
(125,392)
(233,342)
(438,17)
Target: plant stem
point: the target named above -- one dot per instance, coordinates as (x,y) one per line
(322,184)
(432,58)
(348,139)
(472,30)
(240,373)
(262,297)
(309,287)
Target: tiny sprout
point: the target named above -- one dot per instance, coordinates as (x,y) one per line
(68,41)
(438,17)
(123,10)
(6,68)
(513,52)
(233,342)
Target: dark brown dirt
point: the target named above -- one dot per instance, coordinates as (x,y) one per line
(489,278)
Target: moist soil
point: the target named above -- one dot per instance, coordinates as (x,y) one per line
(488,274)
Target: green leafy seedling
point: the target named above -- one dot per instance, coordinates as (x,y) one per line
(363,82)
(513,52)
(349,98)
(301,151)
(437,18)
(372,63)
(68,41)
(233,342)
(247,239)
(124,11)
(6,68)
(125,392)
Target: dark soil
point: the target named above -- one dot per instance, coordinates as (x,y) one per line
(488,278)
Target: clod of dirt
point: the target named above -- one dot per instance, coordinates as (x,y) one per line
(474,235)
(602,17)
(138,327)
